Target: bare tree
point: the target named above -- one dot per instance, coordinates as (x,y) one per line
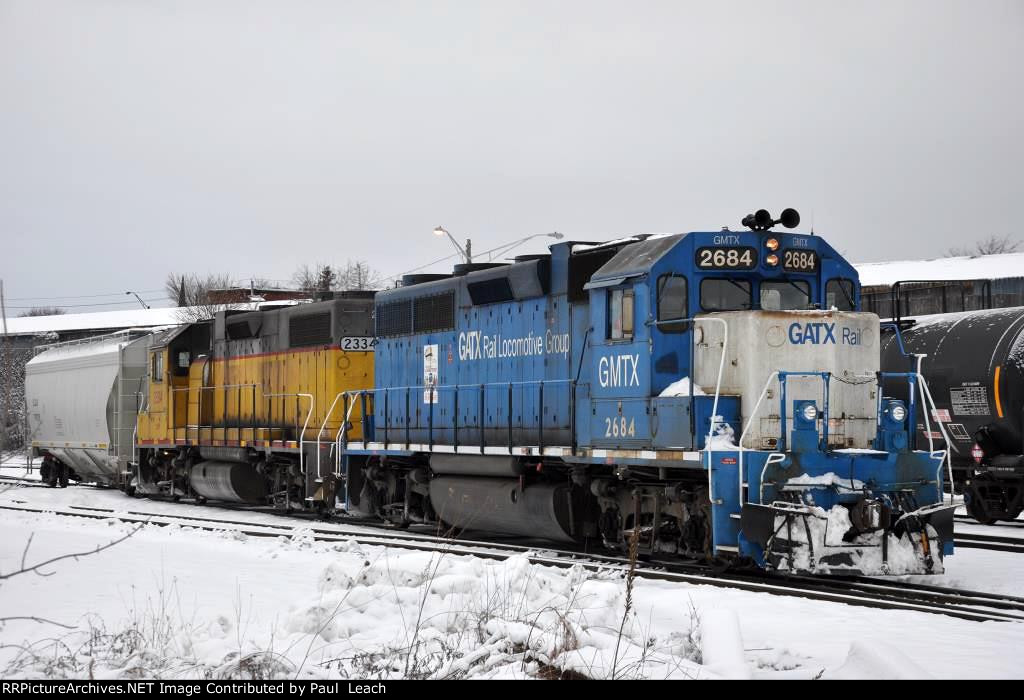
(40,569)
(359,275)
(192,294)
(12,396)
(993,245)
(44,311)
(356,274)
(311,278)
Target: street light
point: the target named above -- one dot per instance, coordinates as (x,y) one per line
(466,253)
(139,298)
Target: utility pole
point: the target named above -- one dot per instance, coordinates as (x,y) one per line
(6,369)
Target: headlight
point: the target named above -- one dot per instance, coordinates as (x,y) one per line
(771,244)
(898,412)
(809,412)
(772,260)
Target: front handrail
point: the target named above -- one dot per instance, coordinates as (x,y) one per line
(945,436)
(767,463)
(323,426)
(342,435)
(713,423)
(743,435)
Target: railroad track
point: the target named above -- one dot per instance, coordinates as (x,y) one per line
(22,482)
(993,542)
(1001,523)
(859,591)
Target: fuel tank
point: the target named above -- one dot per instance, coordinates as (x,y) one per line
(975,371)
(503,506)
(228,481)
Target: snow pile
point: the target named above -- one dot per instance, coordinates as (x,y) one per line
(681,387)
(806,481)
(724,437)
(427,615)
(722,645)
(386,614)
(878,661)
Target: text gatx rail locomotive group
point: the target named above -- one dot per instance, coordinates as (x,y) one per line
(710,394)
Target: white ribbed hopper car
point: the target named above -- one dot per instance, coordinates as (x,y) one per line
(83,398)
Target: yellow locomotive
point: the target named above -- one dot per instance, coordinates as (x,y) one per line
(249,407)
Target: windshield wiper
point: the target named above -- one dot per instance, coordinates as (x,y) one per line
(745,290)
(848,297)
(806,294)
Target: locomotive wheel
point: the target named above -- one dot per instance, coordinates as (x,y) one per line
(62,476)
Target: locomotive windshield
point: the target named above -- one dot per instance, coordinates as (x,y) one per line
(785,295)
(724,294)
(839,295)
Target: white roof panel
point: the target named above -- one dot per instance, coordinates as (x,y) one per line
(959,268)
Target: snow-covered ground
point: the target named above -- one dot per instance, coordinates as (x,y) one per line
(172,601)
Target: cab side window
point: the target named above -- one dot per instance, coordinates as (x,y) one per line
(620,314)
(157,367)
(671,303)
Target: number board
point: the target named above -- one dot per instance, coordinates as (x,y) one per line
(363,344)
(794,260)
(726,258)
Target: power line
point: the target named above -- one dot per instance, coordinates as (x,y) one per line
(421,267)
(81,296)
(104,303)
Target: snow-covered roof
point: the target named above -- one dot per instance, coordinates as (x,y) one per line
(116,320)
(959,268)
(131,318)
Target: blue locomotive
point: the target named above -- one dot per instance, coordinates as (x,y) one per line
(708,394)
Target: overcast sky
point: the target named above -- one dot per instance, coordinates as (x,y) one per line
(140,137)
